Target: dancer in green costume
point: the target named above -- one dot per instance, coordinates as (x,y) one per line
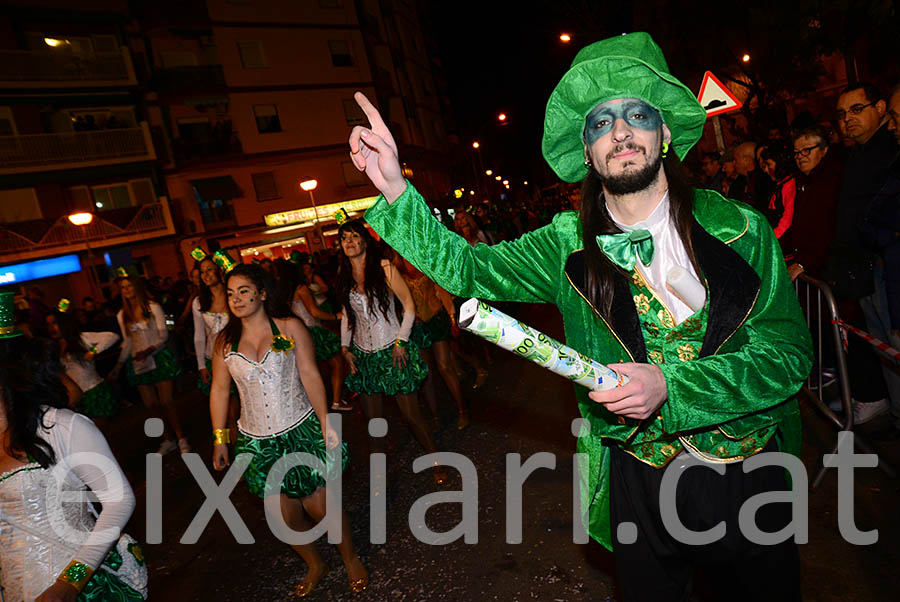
(149,364)
(270,356)
(713,382)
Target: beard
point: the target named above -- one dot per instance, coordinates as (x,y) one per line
(632,181)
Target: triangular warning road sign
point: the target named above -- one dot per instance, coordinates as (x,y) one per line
(715,97)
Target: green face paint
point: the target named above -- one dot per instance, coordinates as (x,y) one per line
(635,113)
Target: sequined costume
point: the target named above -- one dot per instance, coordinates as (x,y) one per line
(97,400)
(40,536)
(207,325)
(277,419)
(327,343)
(160,366)
(372,343)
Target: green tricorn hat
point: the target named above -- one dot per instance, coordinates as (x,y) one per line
(626,66)
(8,328)
(224,260)
(125,272)
(198,254)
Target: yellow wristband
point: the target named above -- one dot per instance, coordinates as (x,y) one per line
(76,574)
(221,436)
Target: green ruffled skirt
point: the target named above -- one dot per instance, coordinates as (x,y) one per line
(125,560)
(376,374)
(327,343)
(425,334)
(300,481)
(167,368)
(98,402)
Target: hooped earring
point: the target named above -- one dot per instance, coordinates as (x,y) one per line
(665,149)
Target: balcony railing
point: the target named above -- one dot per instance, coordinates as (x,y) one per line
(25,240)
(63,68)
(39,152)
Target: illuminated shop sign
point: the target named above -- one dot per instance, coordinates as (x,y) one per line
(324,212)
(42,268)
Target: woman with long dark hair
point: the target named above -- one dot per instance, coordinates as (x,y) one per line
(374,342)
(327,344)
(150,365)
(270,356)
(51,553)
(77,352)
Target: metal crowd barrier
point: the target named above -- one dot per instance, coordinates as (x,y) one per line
(821,311)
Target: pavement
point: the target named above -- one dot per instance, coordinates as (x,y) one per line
(523,410)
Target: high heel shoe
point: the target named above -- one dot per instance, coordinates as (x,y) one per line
(463,420)
(480,377)
(305,587)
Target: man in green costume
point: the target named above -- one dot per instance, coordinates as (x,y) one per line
(712,377)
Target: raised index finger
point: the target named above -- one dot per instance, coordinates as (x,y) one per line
(375,121)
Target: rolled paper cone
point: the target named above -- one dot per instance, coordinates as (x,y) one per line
(507,332)
(688,288)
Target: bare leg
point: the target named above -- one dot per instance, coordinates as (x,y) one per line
(315,507)
(448,373)
(409,407)
(164,390)
(151,402)
(295,518)
(427,388)
(374,408)
(336,367)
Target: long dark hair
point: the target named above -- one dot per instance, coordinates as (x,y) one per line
(29,379)
(142,298)
(205,294)
(70,332)
(274,305)
(599,271)
(375,286)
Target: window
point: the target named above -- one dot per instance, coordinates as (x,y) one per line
(7,123)
(172,59)
(340,53)
(267,118)
(251,54)
(19,205)
(353,114)
(352,176)
(264,184)
(118,195)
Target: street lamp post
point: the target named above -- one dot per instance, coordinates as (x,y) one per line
(80,220)
(310,185)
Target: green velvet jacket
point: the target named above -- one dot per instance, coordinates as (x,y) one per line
(756,350)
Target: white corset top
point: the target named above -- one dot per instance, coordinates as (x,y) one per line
(38,535)
(214,323)
(273,400)
(373,330)
(301,312)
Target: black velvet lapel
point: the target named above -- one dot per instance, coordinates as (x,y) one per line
(733,287)
(623,318)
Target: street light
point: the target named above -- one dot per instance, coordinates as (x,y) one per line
(475,144)
(746,58)
(489,172)
(501,117)
(498,178)
(564,37)
(309,186)
(81,219)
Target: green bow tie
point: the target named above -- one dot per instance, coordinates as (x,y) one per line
(624,248)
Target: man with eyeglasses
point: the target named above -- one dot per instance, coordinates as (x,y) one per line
(861,115)
(880,226)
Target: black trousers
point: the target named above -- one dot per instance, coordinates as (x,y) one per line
(658,568)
